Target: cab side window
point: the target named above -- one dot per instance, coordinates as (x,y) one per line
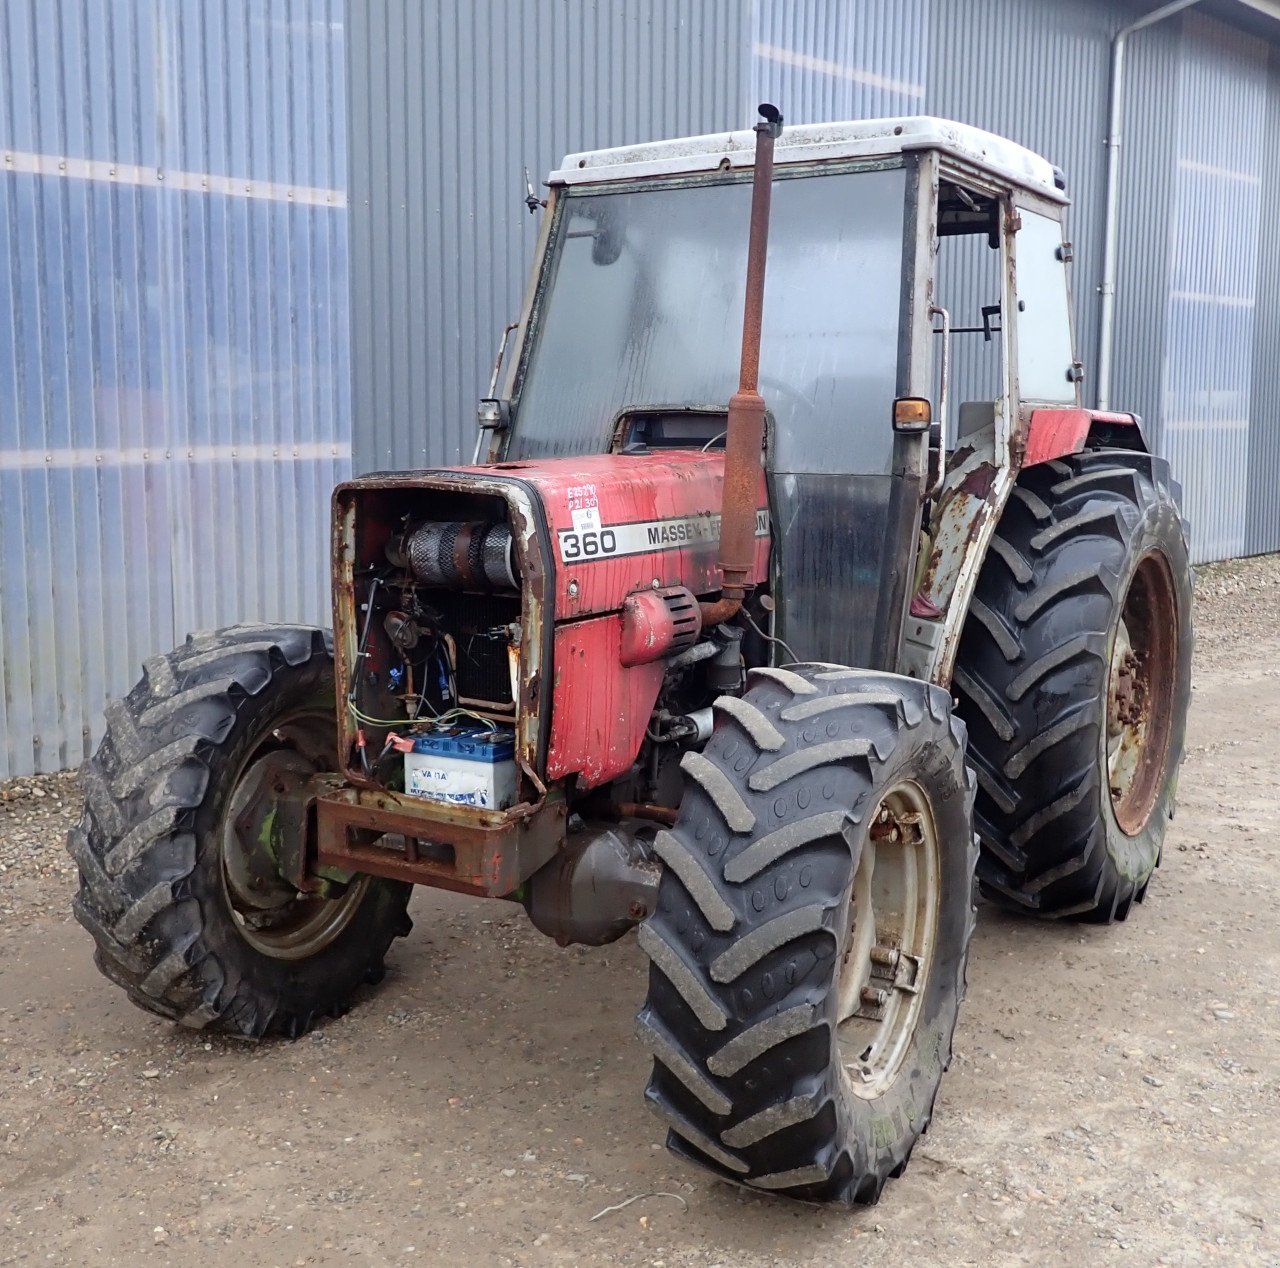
(1046,369)
(969,285)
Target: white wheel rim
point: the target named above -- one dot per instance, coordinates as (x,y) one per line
(889,947)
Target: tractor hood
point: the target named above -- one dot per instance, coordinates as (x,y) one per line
(621,522)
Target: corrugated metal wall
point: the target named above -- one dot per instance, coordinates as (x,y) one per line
(441,244)
(449,104)
(1147,168)
(176,361)
(1263,527)
(1214,237)
(174,400)
(822,62)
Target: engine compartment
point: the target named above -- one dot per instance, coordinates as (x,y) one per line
(430,620)
(526,629)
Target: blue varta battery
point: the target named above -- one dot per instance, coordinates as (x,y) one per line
(466,765)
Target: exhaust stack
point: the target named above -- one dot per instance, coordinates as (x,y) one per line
(745,430)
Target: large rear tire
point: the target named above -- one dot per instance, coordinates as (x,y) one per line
(1074,677)
(811,934)
(189,915)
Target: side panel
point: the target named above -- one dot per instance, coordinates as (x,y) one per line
(845,553)
(599,708)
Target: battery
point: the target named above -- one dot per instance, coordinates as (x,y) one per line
(463,765)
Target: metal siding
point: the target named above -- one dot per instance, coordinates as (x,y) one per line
(1215,231)
(1263,528)
(174,405)
(187,299)
(821,62)
(1190,226)
(1147,168)
(449,104)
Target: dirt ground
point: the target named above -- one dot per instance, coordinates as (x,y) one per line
(1115,1094)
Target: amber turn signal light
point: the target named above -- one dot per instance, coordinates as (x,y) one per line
(912,413)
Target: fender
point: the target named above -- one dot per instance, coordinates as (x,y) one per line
(977,486)
(1054,433)
(979,481)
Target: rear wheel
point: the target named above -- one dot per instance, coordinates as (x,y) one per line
(179,882)
(1074,676)
(809,944)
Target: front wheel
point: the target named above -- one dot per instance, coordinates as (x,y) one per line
(809,945)
(179,885)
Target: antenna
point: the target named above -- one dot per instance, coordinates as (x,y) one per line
(531,199)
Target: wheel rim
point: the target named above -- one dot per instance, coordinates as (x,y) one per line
(269,913)
(1140,687)
(890,945)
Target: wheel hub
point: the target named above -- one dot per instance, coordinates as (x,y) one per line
(251,854)
(889,950)
(262,824)
(1140,685)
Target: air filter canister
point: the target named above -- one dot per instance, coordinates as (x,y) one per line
(458,556)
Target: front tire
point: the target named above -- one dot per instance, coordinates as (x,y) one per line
(802,1001)
(188,917)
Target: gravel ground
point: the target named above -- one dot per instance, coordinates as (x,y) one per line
(1114,1097)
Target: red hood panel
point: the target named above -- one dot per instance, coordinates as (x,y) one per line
(622,522)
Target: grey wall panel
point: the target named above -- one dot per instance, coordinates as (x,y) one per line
(177,353)
(173,339)
(820,62)
(1214,239)
(453,102)
(1262,531)
(1147,168)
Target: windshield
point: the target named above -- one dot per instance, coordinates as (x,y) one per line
(643,308)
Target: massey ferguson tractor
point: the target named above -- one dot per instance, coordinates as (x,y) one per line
(775,631)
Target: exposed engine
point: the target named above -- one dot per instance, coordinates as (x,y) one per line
(431,687)
(517,636)
(476,599)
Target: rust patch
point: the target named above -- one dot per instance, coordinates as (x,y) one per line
(980,481)
(486,853)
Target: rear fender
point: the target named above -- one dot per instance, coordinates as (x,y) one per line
(978,484)
(1054,433)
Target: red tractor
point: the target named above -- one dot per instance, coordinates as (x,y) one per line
(780,675)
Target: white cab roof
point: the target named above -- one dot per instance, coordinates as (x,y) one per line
(811,142)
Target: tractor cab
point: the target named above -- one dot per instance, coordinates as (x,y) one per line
(916,299)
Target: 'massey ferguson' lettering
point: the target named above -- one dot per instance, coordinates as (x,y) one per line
(579,546)
(677,532)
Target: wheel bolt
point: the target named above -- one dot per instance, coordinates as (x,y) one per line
(874,998)
(884,956)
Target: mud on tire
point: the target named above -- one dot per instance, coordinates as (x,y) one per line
(152,892)
(1080,543)
(753,924)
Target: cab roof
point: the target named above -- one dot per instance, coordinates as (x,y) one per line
(812,142)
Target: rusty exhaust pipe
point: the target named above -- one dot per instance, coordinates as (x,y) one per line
(744,437)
